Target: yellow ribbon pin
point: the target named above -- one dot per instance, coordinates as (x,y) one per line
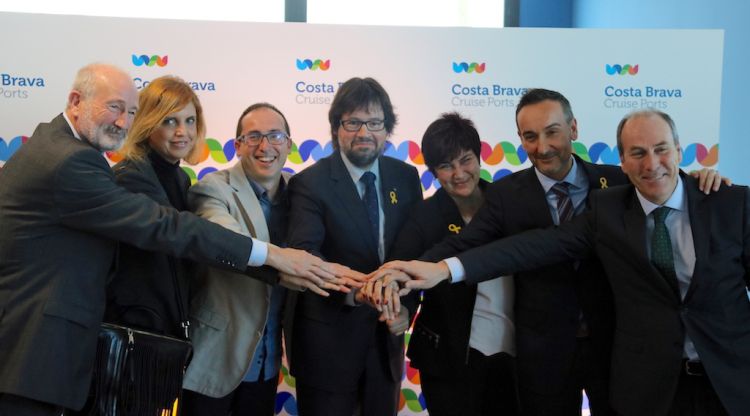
(454,228)
(603,181)
(392,194)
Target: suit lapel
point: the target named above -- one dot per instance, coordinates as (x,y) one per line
(595,177)
(635,230)
(247,203)
(346,191)
(700,225)
(389,203)
(532,199)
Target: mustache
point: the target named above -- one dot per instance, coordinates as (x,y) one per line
(546,155)
(363,140)
(113,130)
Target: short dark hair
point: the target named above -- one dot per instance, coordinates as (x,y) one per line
(448,136)
(645,113)
(537,95)
(257,106)
(356,94)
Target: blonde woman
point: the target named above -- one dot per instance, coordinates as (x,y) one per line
(150,290)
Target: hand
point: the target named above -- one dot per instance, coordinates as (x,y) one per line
(382,296)
(709,180)
(423,275)
(348,276)
(301,284)
(400,323)
(299,264)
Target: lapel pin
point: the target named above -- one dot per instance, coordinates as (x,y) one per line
(394,200)
(454,228)
(603,182)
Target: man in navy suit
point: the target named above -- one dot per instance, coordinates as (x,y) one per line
(348,208)
(678,262)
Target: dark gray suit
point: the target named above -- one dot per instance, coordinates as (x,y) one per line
(62,215)
(651,319)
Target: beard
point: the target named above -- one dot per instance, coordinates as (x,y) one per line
(363,158)
(104,137)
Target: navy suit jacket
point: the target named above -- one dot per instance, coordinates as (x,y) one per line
(328,219)
(651,318)
(440,342)
(548,300)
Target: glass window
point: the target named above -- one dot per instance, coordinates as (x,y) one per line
(470,13)
(244,11)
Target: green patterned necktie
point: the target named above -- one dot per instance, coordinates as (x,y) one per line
(661,245)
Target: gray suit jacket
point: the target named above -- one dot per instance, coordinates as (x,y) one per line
(228,311)
(62,215)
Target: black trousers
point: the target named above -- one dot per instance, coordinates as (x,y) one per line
(12,405)
(488,387)
(696,396)
(590,372)
(249,398)
(375,395)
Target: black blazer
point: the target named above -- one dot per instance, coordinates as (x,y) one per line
(440,341)
(651,318)
(328,219)
(548,299)
(62,215)
(149,289)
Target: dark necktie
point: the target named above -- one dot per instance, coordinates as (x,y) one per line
(661,246)
(370,199)
(564,204)
(565,213)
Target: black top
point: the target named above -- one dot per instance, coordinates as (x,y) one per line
(150,290)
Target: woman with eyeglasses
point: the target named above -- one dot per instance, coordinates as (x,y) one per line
(150,290)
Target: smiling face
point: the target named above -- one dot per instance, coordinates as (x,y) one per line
(175,137)
(547,137)
(460,176)
(104,116)
(262,162)
(650,157)
(363,146)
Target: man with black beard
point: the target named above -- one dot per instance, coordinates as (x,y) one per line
(348,208)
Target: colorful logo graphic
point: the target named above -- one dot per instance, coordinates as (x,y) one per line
(7,148)
(618,69)
(468,68)
(303,64)
(139,60)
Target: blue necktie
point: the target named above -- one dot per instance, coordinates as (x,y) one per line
(370,199)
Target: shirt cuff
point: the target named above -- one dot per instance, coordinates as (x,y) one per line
(458,273)
(258,254)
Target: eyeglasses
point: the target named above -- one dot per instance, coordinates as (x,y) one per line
(355,125)
(254,138)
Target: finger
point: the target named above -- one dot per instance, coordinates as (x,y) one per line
(404,291)
(378,274)
(309,285)
(702,180)
(396,300)
(378,292)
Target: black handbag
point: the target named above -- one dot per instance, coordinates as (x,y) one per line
(137,372)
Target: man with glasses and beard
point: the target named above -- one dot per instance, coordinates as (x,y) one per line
(348,208)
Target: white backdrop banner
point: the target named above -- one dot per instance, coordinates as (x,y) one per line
(298,67)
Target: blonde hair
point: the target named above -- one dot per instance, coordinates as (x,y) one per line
(162,97)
